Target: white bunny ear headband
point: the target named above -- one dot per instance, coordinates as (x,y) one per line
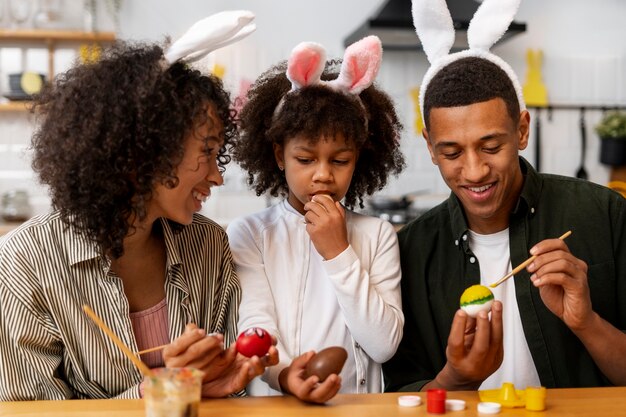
(211,33)
(359,67)
(434,27)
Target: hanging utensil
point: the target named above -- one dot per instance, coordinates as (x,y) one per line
(582,172)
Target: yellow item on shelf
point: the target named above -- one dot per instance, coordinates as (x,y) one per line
(418,125)
(619,186)
(218,70)
(535,92)
(31,82)
(89,53)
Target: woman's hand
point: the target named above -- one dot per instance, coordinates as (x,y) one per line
(292,381)
(225,371)
(196,349)
(240,371)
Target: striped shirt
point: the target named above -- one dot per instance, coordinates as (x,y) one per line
(49,349)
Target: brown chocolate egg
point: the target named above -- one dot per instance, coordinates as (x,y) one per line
(326,361)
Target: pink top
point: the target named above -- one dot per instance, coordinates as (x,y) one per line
(151,330)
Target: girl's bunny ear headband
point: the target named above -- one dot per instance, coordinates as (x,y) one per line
(359,67)
(209,34)
(434,27)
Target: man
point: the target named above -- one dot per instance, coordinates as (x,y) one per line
(560,322)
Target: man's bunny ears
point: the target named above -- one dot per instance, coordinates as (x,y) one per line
(434,27)
(211,33)
(359,68)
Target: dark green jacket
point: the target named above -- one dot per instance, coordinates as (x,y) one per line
(437,266)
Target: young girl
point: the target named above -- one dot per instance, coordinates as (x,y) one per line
(130,147)
(313,273)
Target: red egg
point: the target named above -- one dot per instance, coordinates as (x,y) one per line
(254,341)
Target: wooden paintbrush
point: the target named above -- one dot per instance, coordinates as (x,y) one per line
(523,265)
(134,359)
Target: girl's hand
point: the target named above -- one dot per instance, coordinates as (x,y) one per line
(292,381)
(326,225)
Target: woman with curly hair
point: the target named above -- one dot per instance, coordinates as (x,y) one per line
(314,273)
(130,147)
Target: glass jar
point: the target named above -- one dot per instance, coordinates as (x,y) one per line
(16,206)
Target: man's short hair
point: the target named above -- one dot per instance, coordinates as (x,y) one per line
(467,81)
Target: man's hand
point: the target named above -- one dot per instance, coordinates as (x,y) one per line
(292,381)
(472,355)
(562,282)
(326,225)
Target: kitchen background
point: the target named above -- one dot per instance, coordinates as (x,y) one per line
(584,63)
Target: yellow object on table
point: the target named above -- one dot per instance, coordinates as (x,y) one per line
(536,398)
(507,396)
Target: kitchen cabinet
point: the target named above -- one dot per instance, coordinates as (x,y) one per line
(49,39)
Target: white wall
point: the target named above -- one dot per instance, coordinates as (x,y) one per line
(584,63)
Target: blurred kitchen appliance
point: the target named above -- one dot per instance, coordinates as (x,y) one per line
(393,24)
(396,210)
(16,206)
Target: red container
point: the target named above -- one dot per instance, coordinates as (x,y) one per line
(436,401)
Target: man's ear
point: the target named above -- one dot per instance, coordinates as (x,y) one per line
(430,147)
(523,129)
(279,155)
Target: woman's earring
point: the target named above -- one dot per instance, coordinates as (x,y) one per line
(282,168)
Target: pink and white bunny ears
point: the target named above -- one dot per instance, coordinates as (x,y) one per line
(211,33)
(359,68)
(434,27)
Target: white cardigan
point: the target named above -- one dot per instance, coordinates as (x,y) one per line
(352,300)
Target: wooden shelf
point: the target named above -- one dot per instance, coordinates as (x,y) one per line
(14,106)
(7,35)
(48,39)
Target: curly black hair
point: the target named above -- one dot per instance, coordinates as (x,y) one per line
(467,81)
(371,123)
(110,131)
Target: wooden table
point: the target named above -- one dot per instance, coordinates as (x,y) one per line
(592,402)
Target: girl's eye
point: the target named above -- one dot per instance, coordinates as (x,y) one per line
(340,162)
(303,160)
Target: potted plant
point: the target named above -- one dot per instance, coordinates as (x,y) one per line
(612,133)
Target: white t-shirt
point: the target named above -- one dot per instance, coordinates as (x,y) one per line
(494,258)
